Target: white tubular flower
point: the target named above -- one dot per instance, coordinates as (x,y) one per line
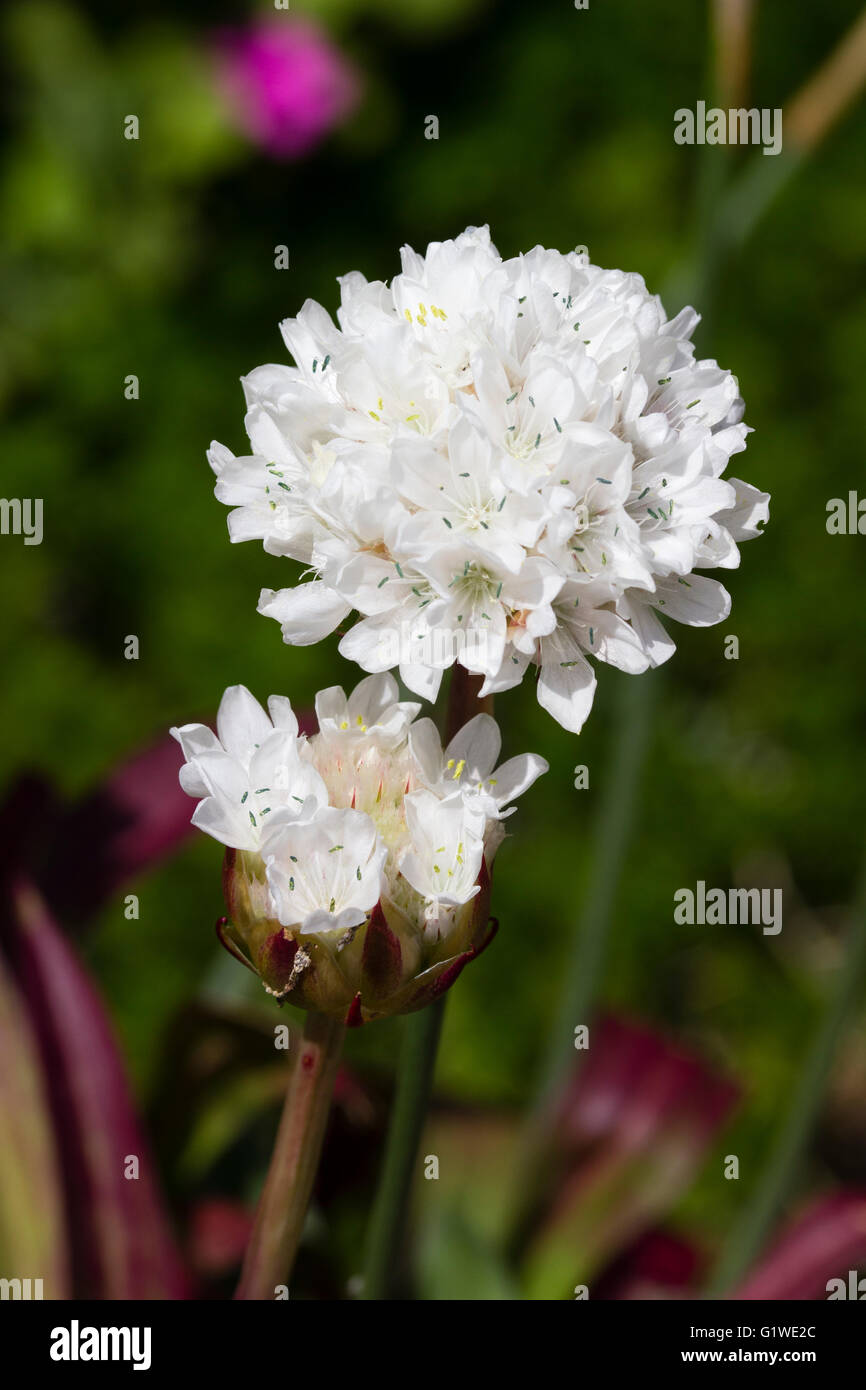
(470,445)
(325,874)
(444,857)
(467,768)
(373,712)
(248,770)
(358,861)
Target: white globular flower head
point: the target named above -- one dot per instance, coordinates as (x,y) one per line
(358,858)
(501,463)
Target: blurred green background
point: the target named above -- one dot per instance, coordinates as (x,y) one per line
(156,258)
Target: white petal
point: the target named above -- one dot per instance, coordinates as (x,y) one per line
(697,601)
(426,749)
(194,739)
(367,643)
(654,637)
(191,780)
(242,723)
(282,714)
(477,745)
(306,614)
(516,776)
(566,686)
(752,508)
(421,680)
(372,697)
(331,705)
(220,820)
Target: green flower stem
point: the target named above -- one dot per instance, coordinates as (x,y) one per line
(414,1085)
(414,1077)
(779,1176)
(286,1194)
(611,838)
(585,962)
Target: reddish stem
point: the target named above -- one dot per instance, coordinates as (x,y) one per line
(286,1194)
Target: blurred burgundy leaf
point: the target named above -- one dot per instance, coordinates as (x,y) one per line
(825,1242)
(120,1239)
(627,1135)
(137,816)
(634,1083)
(80,854)
(32,1228)
(658,1264)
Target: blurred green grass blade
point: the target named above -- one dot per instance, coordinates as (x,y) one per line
(611,837)
(786,1154)
(584,966)
(226,1114)
(456,1260)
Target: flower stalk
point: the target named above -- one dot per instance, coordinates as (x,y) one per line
(286,1194)
(414,1075)
(586,960)
(414,1086)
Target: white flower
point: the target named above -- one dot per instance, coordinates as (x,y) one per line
(251,768)
(372,712)
(443,860)
(470,448)
(467,768)
(369,809)
(325,874)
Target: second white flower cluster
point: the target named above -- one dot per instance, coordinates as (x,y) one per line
(369,809)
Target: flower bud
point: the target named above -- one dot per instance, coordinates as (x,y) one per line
(385,965)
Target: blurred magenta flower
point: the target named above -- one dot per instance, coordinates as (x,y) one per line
(285,83)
